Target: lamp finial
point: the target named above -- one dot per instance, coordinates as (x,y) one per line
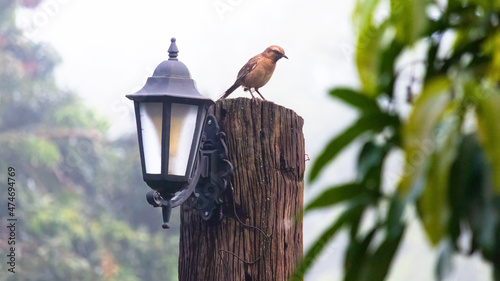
(173,51)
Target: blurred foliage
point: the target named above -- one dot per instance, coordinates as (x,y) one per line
(430,78)
(80,198)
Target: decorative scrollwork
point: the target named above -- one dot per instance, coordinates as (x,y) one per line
(216,175)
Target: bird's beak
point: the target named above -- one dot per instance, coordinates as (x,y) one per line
(285,57)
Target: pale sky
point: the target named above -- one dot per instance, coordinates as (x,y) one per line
(109,48)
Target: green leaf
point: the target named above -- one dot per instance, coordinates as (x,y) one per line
(356,256)
(356,99)
(373,122)
(466,184)
(410,19)
(369,37)
(433,204)
(356,219)
(368,57)
(364,12)
(461,173)
(395,216)
(472,200)
(418,137)
(315,250)
(491,48)
(488,118)
(363,261)
(430,143)
(380,262)
(388,58)
(335,195)
(370,162)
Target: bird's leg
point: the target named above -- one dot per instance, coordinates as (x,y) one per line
(260,94)
(250,90)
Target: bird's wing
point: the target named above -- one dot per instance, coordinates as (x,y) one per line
(249,66)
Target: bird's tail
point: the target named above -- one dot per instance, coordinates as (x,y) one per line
(229,91)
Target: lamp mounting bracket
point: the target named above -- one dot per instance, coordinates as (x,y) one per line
(216,172)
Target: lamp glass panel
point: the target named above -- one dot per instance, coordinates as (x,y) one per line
(151,122)
(182,130)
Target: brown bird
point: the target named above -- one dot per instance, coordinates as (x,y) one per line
(257,71)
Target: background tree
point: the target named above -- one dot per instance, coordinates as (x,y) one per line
(443,58)
(76,189)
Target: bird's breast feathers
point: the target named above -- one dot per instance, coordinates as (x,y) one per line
(260,74)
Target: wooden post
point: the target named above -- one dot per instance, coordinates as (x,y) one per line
(266,147)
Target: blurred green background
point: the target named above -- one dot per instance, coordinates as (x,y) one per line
(77,191)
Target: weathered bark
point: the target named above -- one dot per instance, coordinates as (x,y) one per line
(266,147)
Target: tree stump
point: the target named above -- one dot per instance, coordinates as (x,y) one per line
(264,240)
